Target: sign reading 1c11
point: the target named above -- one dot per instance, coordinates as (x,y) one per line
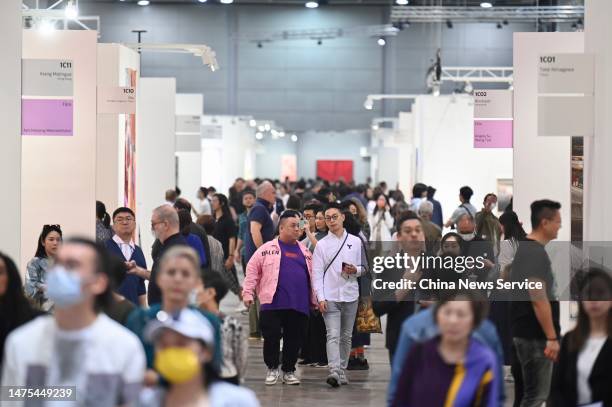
(47,97)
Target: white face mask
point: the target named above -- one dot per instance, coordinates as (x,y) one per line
(64,287)
(467,236)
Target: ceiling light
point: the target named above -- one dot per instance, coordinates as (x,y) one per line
(401,2)
(259,45)
(226,1)
(499,26)
(71,11)
(375,127)
(267,127)
(312,4)
(368,104)
(486,4)
(382,42)
(258,136)
(143,2)
(281,134)
(260,128)
(202,1)
(252,123)
(294,138)
(47,27)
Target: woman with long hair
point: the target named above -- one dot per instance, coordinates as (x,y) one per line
(381,221)
(583,375)
(226,232)
(360,213)
(36,278)
(15,309)
(512,234)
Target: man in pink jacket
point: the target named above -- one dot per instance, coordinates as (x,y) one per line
(280,274)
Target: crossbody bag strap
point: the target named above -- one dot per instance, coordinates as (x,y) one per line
(332,261)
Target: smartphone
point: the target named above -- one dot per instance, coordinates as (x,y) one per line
(302,223)
(344,274)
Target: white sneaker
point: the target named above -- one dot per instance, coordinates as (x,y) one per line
(290,378)
(343,378)
(272,377)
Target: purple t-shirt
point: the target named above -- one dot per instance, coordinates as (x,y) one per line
(293,289)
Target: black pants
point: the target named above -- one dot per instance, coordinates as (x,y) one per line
(314,349)
(291,326)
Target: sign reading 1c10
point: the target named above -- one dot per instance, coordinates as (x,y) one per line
(129,91)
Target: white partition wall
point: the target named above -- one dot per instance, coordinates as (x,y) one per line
(10,114)
(58,170)
(118,66)
(155,146)
(598,166)
(541,164)
(228,151)
(445,155)
(188,144)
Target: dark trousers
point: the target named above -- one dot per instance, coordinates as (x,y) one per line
(314,349)
(291,326)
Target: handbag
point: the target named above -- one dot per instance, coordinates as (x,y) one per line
(367,322)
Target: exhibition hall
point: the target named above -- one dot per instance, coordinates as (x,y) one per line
(397,203)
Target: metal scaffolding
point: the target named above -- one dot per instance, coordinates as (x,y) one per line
(439,14)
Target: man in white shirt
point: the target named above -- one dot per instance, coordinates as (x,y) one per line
(337,262)
(102,361)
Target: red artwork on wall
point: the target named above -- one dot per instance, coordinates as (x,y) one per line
(335,170)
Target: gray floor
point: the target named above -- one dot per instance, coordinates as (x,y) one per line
(366,388)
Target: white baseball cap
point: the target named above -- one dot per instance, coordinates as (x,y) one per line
(187,322)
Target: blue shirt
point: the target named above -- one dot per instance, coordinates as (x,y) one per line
(132,286)
(196,244)
(421,327)
(260,213)
(293,287)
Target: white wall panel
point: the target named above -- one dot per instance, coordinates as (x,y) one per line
(59,172)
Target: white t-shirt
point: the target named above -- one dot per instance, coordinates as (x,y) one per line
(105,361)
(204,207)
(586,360)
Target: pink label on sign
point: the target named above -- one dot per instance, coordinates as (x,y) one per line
(46,117)
(493,133)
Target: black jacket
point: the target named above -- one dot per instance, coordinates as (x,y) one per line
(154,295)
(564,392)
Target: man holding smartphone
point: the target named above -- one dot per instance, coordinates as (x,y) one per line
(337,263)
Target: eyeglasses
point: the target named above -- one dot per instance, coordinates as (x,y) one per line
(156,223)
(123,220)
(308,217)
(330,218)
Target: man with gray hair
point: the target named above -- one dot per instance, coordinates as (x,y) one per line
(432,232)
(165,228)
(260,230)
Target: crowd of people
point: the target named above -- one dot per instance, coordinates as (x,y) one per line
(96,316)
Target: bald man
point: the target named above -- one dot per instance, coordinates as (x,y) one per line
(165,227)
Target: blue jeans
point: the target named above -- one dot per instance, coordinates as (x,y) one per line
(536,370)
(339,321)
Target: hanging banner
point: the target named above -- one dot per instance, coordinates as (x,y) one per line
(565,94)
(493,118)
(47,97)
(116,100)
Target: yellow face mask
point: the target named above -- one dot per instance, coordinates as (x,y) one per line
(177,365)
